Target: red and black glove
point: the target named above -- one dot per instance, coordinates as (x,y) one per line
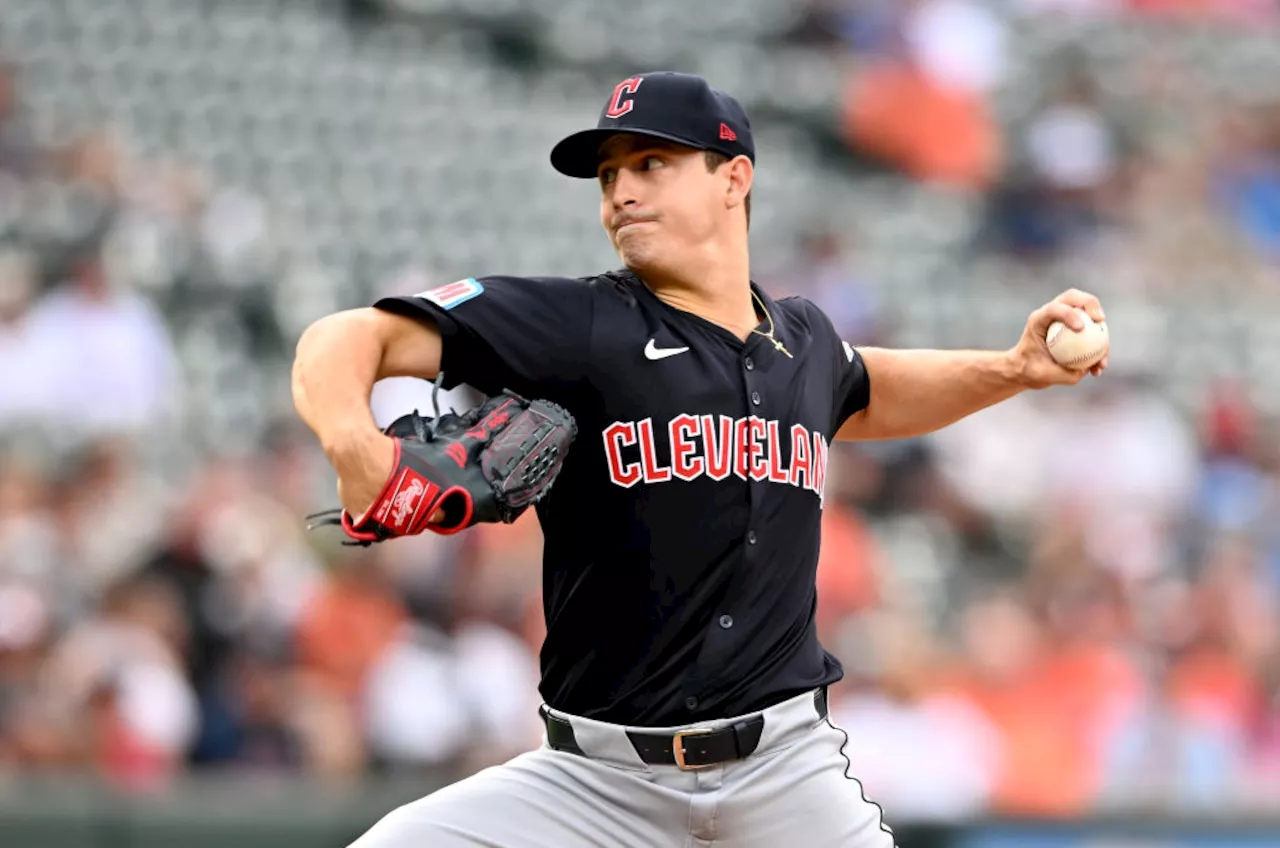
(488,464)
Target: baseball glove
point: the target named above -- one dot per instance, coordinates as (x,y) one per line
(488,464)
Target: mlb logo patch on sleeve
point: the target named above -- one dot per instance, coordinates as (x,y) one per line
(451,294)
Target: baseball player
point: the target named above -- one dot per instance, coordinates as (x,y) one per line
(683,683)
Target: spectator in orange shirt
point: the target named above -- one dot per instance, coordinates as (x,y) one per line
(348,624)
(850,560)
(1035,703)
(924,111)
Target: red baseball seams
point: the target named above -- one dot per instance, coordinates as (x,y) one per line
(750,448)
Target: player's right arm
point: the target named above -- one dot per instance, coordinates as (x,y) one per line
(337,361)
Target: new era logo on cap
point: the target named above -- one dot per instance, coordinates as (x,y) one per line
(675,107)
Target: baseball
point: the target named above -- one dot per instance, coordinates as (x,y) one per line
(1078,350)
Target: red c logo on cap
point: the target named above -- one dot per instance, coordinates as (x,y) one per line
(619,107)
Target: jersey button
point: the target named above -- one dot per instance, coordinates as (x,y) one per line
(691,702)
(751,537)
(755,398)
(749,364)
(726,621)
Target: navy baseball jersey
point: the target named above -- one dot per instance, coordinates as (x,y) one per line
(681,538)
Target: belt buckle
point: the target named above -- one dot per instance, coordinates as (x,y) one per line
(677,748)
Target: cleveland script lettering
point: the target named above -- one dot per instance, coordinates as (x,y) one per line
(750,448)
(701,461)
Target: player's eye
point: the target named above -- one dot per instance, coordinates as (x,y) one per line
(606,176)
(651,162)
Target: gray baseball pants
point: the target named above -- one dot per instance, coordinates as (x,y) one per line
(795,789)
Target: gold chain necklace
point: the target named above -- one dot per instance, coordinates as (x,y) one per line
(769,335)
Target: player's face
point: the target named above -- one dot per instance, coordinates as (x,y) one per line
(659,201)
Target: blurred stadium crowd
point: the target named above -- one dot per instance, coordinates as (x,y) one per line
(1066,603)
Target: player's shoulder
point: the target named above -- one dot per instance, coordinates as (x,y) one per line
(801,312)
(482,289)
(528,283)
(619,283)
(616,283)
(483,292)
(802,315)
(612,292)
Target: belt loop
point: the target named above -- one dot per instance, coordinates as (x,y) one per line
(560,735)
(739,729)
(820,702)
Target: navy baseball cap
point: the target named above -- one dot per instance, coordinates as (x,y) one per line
(682,108)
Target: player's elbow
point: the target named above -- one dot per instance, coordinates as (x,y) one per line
(345,339)
(346,331)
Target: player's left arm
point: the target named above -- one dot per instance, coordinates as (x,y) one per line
(914,392)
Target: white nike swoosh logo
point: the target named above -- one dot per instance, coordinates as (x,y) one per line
(652,352)
(848,350)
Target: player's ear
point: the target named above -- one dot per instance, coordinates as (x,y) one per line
(740,173)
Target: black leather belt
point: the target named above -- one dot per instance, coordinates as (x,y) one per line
(686,749)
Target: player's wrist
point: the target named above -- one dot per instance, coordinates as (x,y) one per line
(348,443)
(361,458)
(363,462)
(1013,368)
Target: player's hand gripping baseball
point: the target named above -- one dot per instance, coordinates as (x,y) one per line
(1035,366)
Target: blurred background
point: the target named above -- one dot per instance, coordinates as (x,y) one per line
(1059,617)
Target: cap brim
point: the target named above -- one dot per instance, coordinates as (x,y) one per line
(578,155)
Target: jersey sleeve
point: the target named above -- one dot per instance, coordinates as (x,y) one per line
(854,391)
(852,384)
(526,334)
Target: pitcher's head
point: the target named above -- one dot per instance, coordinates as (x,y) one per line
(675,161)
